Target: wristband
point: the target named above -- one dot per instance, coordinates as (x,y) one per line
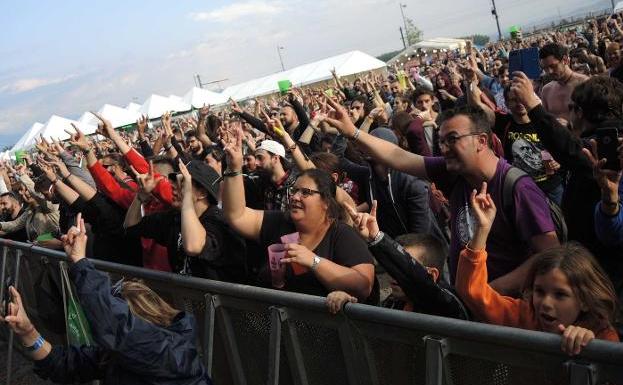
(37,345)
(66,178)
(292,147)
(357,133)
(377,238)
(231,174)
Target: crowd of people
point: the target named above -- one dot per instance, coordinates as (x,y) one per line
(454,188)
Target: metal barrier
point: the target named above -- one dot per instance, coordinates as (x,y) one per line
(251,335)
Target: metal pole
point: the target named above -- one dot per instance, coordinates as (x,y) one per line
(9,361)
(280,58)
(612,2)
(402,36)
(494,11)
(404,21)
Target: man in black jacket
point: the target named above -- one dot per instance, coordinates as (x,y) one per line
(404,200)
(596,103)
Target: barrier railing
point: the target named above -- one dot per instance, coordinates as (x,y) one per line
(252,335)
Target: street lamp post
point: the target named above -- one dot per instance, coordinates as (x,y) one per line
(494,12)
(279,48)
(404,20)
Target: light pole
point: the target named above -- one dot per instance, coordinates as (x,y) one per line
(279,48)
(404,20)
(494,12)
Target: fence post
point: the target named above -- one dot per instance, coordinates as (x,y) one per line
(9,361)
(208,343)
(436,350)
(277,315)
(229,339)
(581,373)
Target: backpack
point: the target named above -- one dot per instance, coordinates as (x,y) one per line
(510,179)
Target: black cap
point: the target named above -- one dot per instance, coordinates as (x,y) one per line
(205,176)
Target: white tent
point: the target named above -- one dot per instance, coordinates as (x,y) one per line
(117,116)
(157,105)
(55,128)
(134,107)
(428,45)
(28,137)
(349,63)
(178,104)
(197,97)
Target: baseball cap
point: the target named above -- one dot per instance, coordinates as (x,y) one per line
(205,176)
(272,147)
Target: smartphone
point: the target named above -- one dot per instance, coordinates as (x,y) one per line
(607,144)
(525,60)
(6,296)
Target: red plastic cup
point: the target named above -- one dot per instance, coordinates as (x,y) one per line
(277,270)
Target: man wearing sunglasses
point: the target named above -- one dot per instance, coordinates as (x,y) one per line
(198,240)
(467,161)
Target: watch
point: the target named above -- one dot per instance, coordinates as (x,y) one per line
(316,262)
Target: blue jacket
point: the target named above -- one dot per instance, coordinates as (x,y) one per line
(129,350)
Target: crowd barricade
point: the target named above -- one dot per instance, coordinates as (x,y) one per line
(252,335)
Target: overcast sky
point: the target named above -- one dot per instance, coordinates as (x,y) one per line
(67,57)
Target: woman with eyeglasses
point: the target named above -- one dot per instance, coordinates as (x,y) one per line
(328,256)
(139,338)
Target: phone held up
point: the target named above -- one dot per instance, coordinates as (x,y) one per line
(607,145)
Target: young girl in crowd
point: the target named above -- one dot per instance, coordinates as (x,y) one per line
(566,291)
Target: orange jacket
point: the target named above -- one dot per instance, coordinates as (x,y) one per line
(489,306)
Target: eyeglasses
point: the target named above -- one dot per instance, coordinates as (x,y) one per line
(305,192)
(451,140)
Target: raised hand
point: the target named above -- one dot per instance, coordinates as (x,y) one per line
(342,121)
(48,171)
(75,241)
(104,127)
(608,180)
(17,319)
(204,111)
(184,180)
(141,126)
(235,106)
(232,145)
(483,207)
(78,139)
(166,124)
(147,182)
(522,87)
(365,223)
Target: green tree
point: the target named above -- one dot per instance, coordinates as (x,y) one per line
(413,33)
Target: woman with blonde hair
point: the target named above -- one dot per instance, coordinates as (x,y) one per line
(139,338)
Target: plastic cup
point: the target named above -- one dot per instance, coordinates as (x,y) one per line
(284,86)
(294,238)
(277,270)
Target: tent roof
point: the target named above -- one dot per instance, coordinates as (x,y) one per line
(157,105)
(134,107)
(197,97)
(178,104)
(27,137)
(427,45)
(55,127)
(118,116)
(345,64)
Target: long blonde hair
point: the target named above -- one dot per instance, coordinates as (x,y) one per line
(146,304)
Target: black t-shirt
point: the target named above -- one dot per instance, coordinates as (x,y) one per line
(341,244)
(223,256)
(524,150)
